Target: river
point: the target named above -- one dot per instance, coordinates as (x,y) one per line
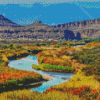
(26,64)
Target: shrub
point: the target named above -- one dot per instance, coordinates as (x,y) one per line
(18,46)
(35,67)
(10,45)
(90,70)
(37,44)
(58,68)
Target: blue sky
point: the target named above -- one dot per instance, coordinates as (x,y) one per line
(50,12)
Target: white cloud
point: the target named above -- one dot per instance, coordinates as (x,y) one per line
(42,1)
(45,3)
(26,5)
(3,14)
(53,24)
(26,21)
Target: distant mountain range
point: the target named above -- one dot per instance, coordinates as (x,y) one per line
(40,31)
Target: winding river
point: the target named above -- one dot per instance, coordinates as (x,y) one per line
(26,64)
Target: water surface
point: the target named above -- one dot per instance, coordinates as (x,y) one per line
(26,64)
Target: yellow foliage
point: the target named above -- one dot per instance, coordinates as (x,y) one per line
(4,58)
(27,95)
(79,80)
(67,57)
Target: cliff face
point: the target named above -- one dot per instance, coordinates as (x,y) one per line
(78,24)
(38,30)
(87,28)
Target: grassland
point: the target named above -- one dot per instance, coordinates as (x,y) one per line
(53,68)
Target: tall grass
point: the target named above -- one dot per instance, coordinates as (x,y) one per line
(55,68)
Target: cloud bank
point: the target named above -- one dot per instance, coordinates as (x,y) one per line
(26,21)
(42,1)
(45,3)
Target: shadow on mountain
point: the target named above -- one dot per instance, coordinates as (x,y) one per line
(78,36)
(69,35)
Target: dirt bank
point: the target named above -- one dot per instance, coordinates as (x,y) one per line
(47,77)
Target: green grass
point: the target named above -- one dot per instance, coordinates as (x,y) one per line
(55,68)
(35,67)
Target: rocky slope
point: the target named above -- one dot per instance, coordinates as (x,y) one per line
(87,28)
(40,31)
(6,22)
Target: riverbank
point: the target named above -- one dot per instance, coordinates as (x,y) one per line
(53,68)
(53,78)
(79,87)
(12,78)
(47,77)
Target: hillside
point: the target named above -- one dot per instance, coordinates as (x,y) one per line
(6,22)
(40,31)
(87,28)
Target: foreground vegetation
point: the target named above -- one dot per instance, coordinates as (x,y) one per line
(27,95)
(84,61)
(11,78)
(53,68)
(79,87)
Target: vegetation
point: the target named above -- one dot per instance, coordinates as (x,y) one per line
(27,95)
(55,68)
(35,67)
(83,61)
(10,77)
(89,55)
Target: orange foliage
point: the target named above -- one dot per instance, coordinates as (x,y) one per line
(94,91)
(4,76)
(93,44)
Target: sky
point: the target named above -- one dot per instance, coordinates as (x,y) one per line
(50,12)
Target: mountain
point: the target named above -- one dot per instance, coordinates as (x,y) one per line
(37,23)
(6,22)
(40,31)
(87,28)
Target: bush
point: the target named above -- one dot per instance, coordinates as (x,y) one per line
(37,44)
(18,46)
(10,45)
(11,82)
(58,68)
(35,67)
(90,70)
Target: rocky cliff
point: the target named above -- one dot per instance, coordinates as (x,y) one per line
(40,31)
(87,28)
